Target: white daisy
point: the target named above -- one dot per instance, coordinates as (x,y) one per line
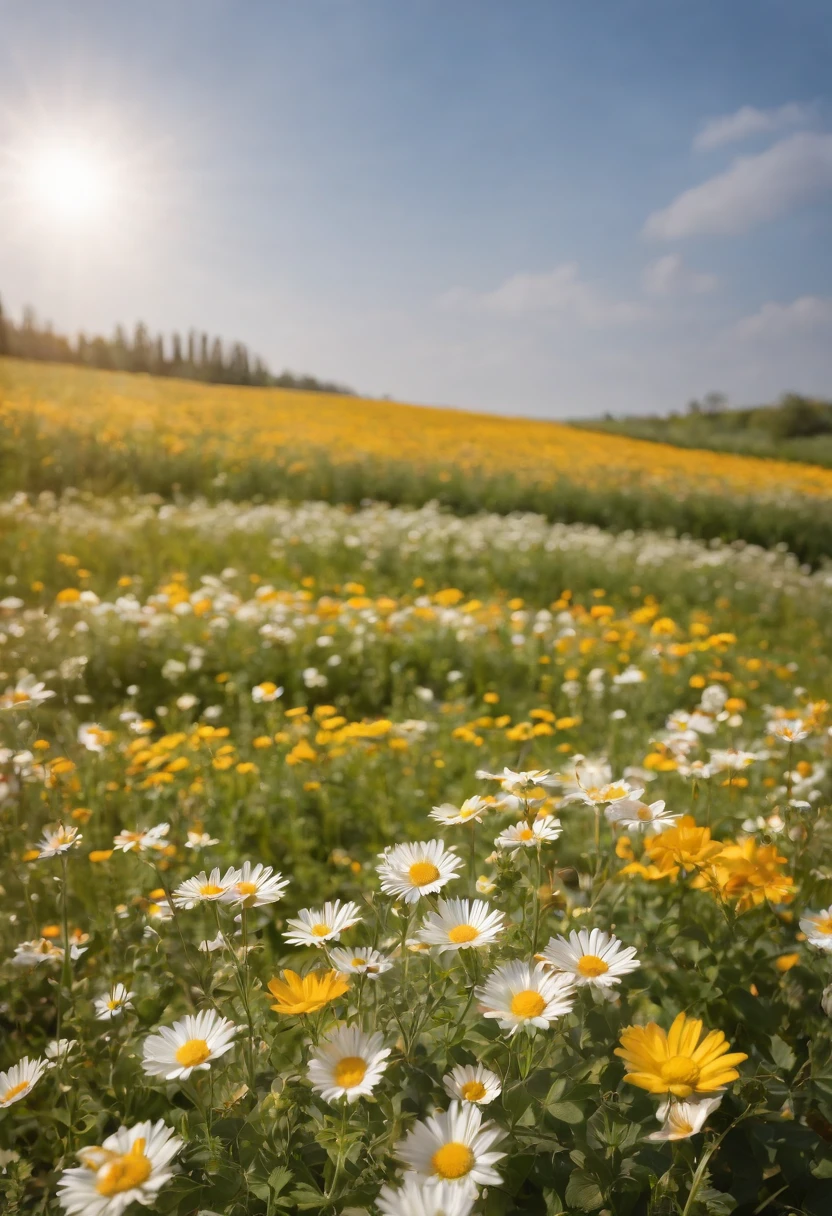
(59,840)
(58,1050)
(199,840)
(683,1118)
(94,737)
(633,815)
(41,950)
(522,835)
(131,1166)
(410,870)
(731,758)
(520,995)
(266,692)
(20,1079)
(314,926)
(256,886)
(788,730)
(209,945)
(591,956)
(363,960)
(142,838)
(472,1083)
(471,811)
(455,1146)
(458,924)
(417,1197)
(818,928)
(109,1007)
(521,784)
(191,1044)
(597,795)
(347,1064)
(27,692)
(204,888)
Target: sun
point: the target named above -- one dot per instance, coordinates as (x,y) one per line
(69,181)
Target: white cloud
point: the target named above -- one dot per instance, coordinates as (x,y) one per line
(670,276)
(755,189)
(556,294)
(805,316)
(749,121)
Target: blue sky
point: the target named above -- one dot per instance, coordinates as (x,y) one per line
(544,207)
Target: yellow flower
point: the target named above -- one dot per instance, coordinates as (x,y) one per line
(683,847)
(675,1062)
(749,873)
(786,961)
(101,855)
(306,994)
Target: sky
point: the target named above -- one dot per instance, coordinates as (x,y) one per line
(552,208)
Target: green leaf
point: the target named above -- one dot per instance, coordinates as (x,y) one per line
(782,1054)
(583,1192)
(565,1112)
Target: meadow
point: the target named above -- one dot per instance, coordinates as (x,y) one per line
(378,857)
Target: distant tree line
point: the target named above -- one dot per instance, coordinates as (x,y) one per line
(194,357)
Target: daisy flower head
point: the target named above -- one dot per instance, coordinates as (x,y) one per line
(591,956)
(363,960)
(94,737)
(472,1083)
(598,795)
(635,816)
(266,692)
(112,1006)
(58,840)
(205,888)
(411,870)
(131,1166)
(458,924)
(674,1062)
(192,1044)
(418,1197)
(315,926)
(347,1064)
(58,1050)
(39,950)
(471,811)
(518,995)
(142,839)
(522,835)
(455,1147)
(683,1119)
(818,928)
(20,1079)
(296,994)
(197,839)
(788,730)
(526,785)
(256,886)
(27,692)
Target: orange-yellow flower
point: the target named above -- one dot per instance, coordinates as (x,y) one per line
(306,994)
(675,1062)
(683,847)
(750,874)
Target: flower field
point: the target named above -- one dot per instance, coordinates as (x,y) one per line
(68,428)
(375,859)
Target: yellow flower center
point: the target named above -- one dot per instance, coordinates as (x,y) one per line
(614,791)
(525,834)
(124,1173)
(246,888)
(359,962)
(644,814)
(680,1070)
(113,1004)
(422,873)
(527,1004)
(210,888)
(473,1091)
(591,965)
(19,698)
(452,1160)
(350,1071)
(192,1053)
(463,933)
(682,1126)
(825,925)
(320,930)
(14,1092)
